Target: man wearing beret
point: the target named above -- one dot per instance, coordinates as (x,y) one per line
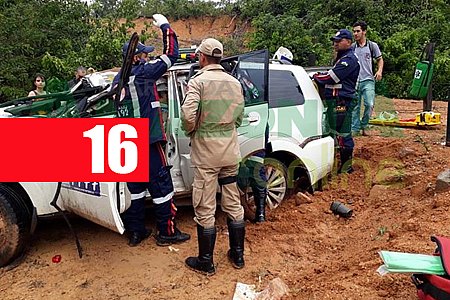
(340,95)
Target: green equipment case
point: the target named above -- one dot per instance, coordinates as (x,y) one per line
(422,79)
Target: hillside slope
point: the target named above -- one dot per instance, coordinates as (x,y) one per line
(193,31)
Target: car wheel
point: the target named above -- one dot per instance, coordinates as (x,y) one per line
(14,226)
(277,189)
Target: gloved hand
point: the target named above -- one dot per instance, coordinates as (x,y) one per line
(159,20)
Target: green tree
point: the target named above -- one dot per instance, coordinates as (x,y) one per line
(270,32)
(31,29)
(56,36)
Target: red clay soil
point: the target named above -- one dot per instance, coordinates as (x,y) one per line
(192,31)
(317,254)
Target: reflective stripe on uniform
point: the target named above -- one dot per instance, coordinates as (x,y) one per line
(134,98)
(138,196)
(257,159)
(156,104)
(166,59)
(163,199)
(334,76)
(333,86)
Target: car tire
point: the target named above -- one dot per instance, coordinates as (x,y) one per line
(15,222)
(277,189)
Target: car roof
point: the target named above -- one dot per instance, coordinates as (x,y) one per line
(274,65)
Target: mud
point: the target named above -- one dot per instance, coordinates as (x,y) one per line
(316,253)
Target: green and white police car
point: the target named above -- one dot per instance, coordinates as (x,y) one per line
(299,153)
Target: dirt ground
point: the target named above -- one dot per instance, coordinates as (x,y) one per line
(192,31)
(317,254)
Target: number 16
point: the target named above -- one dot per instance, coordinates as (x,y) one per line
(115,145)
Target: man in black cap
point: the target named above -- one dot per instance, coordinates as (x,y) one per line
(340,95)
(140,101)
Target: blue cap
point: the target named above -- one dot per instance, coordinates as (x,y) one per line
(342,34)
(140,48)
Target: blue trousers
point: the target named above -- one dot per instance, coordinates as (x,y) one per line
(161,189)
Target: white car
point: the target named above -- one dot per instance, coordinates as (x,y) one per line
(282,95)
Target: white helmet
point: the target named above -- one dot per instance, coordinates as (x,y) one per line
(283,54)
(96,79)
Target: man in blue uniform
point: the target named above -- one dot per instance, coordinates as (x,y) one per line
(140,101)
(340,95)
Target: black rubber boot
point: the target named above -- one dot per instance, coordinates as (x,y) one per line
(346,161)
(236,230)
(260,194)
(204,263)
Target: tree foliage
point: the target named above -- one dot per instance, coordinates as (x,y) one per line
(401,27)
(272,33)
(56,36)
(32,30)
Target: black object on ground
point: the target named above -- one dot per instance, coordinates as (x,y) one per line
(340,209)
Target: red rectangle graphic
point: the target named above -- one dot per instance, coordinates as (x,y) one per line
(94,149)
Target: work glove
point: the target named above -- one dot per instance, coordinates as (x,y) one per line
(159,20)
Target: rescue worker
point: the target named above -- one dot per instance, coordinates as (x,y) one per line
(212,110)
(252,172)
(140,102)
(340,95)
(257,180)
(284,55)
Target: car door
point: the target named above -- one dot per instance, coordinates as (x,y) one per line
(183,159)
(100,202)
(252,71)
(176,140)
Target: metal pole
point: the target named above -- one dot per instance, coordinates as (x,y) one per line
(428,103)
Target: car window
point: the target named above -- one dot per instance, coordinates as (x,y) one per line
(251,69)
(250,80)
(284,89)
(181,82)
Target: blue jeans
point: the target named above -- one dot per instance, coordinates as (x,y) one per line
(366,90)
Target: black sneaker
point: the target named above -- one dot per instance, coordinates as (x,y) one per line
(176,238)
(135,238)
(259,219)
